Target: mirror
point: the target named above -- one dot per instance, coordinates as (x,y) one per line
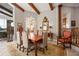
(45,24)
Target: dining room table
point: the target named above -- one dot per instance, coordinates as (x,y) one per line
(35,39)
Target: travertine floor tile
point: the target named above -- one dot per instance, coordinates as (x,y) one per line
(9,49)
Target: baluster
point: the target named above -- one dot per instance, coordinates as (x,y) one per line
(78,37)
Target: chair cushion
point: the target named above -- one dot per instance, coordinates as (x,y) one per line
(68,40)
(67,34)
(24,39)
(61,40)
(64,40)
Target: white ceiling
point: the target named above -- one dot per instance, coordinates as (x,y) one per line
(26,7)
(5,11)
(42,6)
(6,5)
(71,4)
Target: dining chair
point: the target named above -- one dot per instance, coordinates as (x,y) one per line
(19,36)
(66,39)
(27,44)
(19,41)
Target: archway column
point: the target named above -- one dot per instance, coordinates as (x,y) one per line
(59,20)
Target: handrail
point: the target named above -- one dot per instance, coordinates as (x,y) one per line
(75,36)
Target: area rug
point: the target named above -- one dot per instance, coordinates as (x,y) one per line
(53,50)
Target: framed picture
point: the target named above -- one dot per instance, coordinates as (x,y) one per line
(73,23)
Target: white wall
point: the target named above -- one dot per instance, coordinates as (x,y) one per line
(72,13)
(28,16)
(52,17)
(76,16)
(19,15)
(23,17)
(67,12)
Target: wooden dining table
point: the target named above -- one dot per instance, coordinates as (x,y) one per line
(35,39)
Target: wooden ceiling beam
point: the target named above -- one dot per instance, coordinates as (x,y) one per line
(6,9)
(60,5)
(59,20)
(5,14)
(16,5)
(33,6)
(51,6)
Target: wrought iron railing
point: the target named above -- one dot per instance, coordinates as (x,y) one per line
(75,36)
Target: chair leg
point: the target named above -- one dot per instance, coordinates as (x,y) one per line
(17,45)
(57,42)
(64,45)
(43,50)
(20,48)
(23,49)
(70,45)
(46,48)
(27,51)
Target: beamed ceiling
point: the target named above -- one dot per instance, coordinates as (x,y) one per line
(6,9)
(42,7)
(35,7)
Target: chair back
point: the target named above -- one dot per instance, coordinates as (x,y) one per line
(30,43)
(67,34)
(18,37)
(27,33)
(24,39)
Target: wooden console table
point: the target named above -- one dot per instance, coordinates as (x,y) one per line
(50,35)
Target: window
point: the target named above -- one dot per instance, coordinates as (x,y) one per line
(3,23)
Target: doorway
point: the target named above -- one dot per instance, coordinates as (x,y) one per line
(6,18)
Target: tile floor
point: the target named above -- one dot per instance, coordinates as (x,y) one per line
(4,50)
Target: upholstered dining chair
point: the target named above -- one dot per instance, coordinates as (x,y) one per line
(27,44)
(66,39)
(19,36)
(25,41)
(19,42)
